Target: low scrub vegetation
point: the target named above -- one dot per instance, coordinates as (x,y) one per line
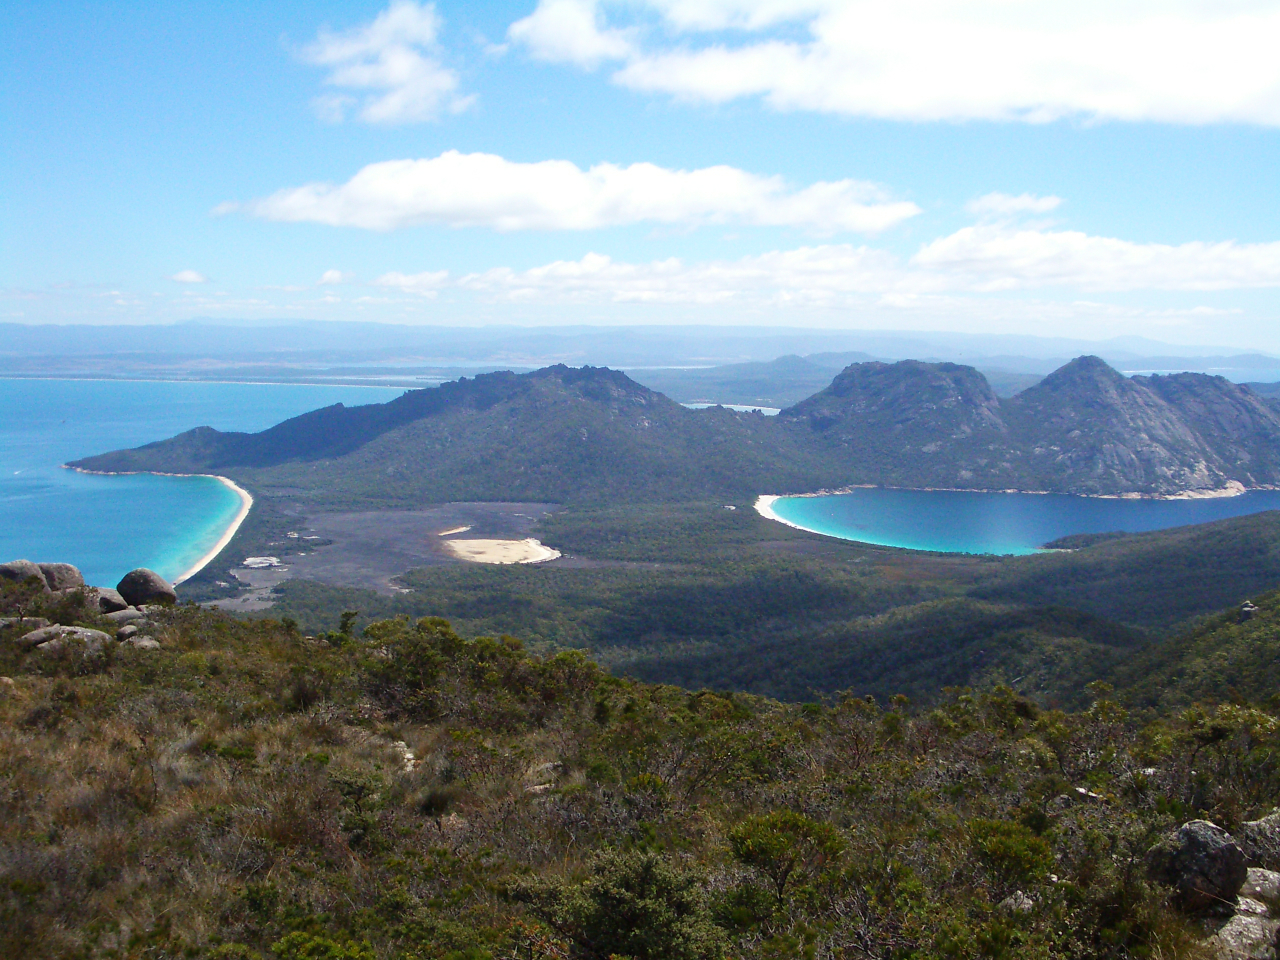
(401,792)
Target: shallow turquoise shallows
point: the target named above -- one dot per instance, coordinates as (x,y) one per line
(1003,523)
(108,525)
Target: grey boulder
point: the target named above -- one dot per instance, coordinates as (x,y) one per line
(19,571)
(1262,885)
(51,639)
(144,586)
(127,631)
(1203,864)
(127,615)
(61,576)
(1260,841)
(109,601)
(143,643)
(1249,935)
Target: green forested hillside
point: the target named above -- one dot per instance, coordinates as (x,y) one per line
(399,793)
(593,435)
(697,595)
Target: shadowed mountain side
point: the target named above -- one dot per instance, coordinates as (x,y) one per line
(916,650)
(1153,580)
(559,434)
(908,423)
(591,434)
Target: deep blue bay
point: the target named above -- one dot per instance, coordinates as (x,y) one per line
(108,525)
(998,523)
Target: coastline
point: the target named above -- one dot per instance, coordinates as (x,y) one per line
(1234,488)
(246,503)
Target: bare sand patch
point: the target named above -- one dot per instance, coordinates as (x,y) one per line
(501,551)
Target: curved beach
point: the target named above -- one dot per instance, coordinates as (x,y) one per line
(246,502)
(764,507)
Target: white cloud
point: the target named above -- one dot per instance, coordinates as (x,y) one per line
(568,31)
(427,283)
(1002,205)
(483,190)
(805,275)
(1178,61)
(389,70)
(334,277)
(974,260)
(992,257)
(189,276)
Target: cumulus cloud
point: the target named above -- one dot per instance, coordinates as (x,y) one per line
(483,190)
(569,31)
(426,284)
(974,260)
(987,257)
(189,276)
(330,277)
(1180,61)
(387,71)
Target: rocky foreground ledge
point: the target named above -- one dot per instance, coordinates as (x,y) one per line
(66,613)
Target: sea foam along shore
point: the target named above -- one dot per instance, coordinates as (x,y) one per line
(246,503)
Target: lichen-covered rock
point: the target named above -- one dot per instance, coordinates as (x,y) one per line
(1249,935)
(127,631)
(61,576)
(127,615)
(20,571)
(1260,841)
(109,601)
(143,586)
(1203,864)
(50,639)
(1262,885)
(143,643)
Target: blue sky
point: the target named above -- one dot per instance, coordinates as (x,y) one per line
(1085,170)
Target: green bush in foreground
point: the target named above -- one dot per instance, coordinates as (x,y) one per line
(247,792)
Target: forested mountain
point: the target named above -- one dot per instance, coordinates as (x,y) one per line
(592,434)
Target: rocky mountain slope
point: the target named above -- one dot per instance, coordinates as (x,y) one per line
(1083,429)
(592,434)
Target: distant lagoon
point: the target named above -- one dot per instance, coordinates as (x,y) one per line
(950,521)
(108,525)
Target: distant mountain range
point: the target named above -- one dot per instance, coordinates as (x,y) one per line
(591,434)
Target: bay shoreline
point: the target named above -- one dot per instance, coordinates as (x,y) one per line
(246,504)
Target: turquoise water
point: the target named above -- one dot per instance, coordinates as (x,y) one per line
(1004,523)
(108,525)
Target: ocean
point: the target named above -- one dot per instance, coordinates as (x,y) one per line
(1000,523)
(107,526)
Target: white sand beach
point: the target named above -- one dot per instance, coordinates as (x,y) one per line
(501,551)
(246,502)
(764,507)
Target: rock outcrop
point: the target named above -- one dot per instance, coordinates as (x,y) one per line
(1260,841)
(20,571)
(1202,863)
(61,576)
(51,639)
(143,586)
